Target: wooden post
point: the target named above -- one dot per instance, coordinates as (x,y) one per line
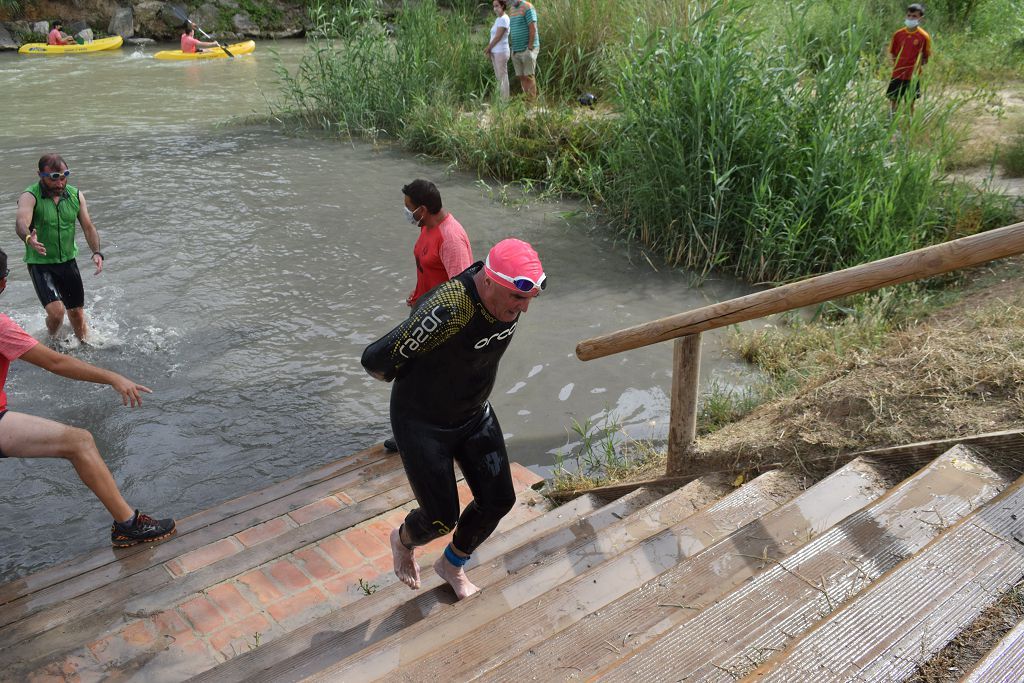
(682,428)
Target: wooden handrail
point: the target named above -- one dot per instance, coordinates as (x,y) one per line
(913,265)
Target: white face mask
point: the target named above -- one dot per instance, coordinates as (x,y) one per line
(410,216)
(912,23)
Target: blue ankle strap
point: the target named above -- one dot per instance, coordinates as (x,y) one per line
(450,555)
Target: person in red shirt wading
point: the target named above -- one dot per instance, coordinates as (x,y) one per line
(910,49)
(442,250)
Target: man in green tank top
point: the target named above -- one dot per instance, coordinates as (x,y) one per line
(45,222)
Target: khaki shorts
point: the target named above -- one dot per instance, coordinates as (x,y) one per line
(525,62)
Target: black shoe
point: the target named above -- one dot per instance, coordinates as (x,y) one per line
(390,445)
(143,529)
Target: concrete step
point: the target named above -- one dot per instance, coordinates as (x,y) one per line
(918,607)
(593,592)
(369,621)
(592,639)
(728,639)
(1004,663)
(471,615)
(346,628)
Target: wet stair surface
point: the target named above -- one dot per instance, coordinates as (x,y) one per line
(863,574)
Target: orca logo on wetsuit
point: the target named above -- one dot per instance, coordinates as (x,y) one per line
(419,334)
(504,334)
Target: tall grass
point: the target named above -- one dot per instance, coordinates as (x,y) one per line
(769,163)
(726,141)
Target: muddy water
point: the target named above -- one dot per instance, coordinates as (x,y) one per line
(246,270)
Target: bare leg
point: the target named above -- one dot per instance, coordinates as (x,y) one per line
(406,569)
(78,324)
(455,576)
(54,317)
(529,86)
(27,436)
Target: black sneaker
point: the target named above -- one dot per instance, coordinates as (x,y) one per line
(144,529)
(390,445)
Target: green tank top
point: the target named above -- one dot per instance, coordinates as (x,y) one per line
(55,226)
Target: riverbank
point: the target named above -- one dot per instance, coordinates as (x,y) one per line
(949,366)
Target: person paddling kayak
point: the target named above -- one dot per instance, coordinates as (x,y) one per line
(190,44)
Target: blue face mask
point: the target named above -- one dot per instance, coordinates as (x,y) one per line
(912,23)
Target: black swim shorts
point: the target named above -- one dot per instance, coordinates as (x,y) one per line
(898,88)
(58,281)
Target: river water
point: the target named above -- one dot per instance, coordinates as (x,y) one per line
(247,269)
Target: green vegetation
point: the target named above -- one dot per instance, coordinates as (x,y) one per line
(747,139)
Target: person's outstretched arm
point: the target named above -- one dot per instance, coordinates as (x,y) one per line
(73,368)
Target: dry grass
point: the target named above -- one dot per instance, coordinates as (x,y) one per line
(959,373)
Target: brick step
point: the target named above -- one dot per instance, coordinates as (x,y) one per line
(1004,663)
(196,533)
(891,628)
(726,640)
(342,632)
(86,615)
(591,594)
(260,602)
(707,524)
(579,640)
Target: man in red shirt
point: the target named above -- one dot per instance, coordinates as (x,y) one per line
(910,49)
(28,436)
(58,37)
(442,250)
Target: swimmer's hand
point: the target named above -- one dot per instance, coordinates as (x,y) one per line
(129,390)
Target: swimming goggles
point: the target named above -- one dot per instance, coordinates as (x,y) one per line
(522,283)
(55,175)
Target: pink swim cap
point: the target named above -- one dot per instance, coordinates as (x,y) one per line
(514,265)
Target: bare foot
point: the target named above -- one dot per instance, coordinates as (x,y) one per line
(456,578)
(406,569)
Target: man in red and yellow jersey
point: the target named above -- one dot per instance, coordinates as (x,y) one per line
(910,49)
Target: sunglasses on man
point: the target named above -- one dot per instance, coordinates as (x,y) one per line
(54,175)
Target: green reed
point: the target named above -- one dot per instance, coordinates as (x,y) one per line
(722,141)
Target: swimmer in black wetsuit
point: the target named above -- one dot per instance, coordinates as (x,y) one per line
(444,359)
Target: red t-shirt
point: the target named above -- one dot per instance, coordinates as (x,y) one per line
(910,49)
(55,38)
(188,43)
(441,252)
(14,342)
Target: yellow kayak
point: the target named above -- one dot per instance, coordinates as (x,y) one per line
(95,46)
(236,49)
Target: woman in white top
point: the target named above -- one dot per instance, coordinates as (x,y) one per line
(497,49)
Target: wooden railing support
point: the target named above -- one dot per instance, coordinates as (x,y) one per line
(682,428)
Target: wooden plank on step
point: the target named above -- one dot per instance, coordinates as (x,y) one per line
(329,638)
(77,621)
(1006,445)
(361,482)
(735,634)
(1004,663)
(897,624)
(581,650)
(382,658)
(593,591)
(36,581)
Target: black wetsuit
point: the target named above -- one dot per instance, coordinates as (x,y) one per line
(444,359)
